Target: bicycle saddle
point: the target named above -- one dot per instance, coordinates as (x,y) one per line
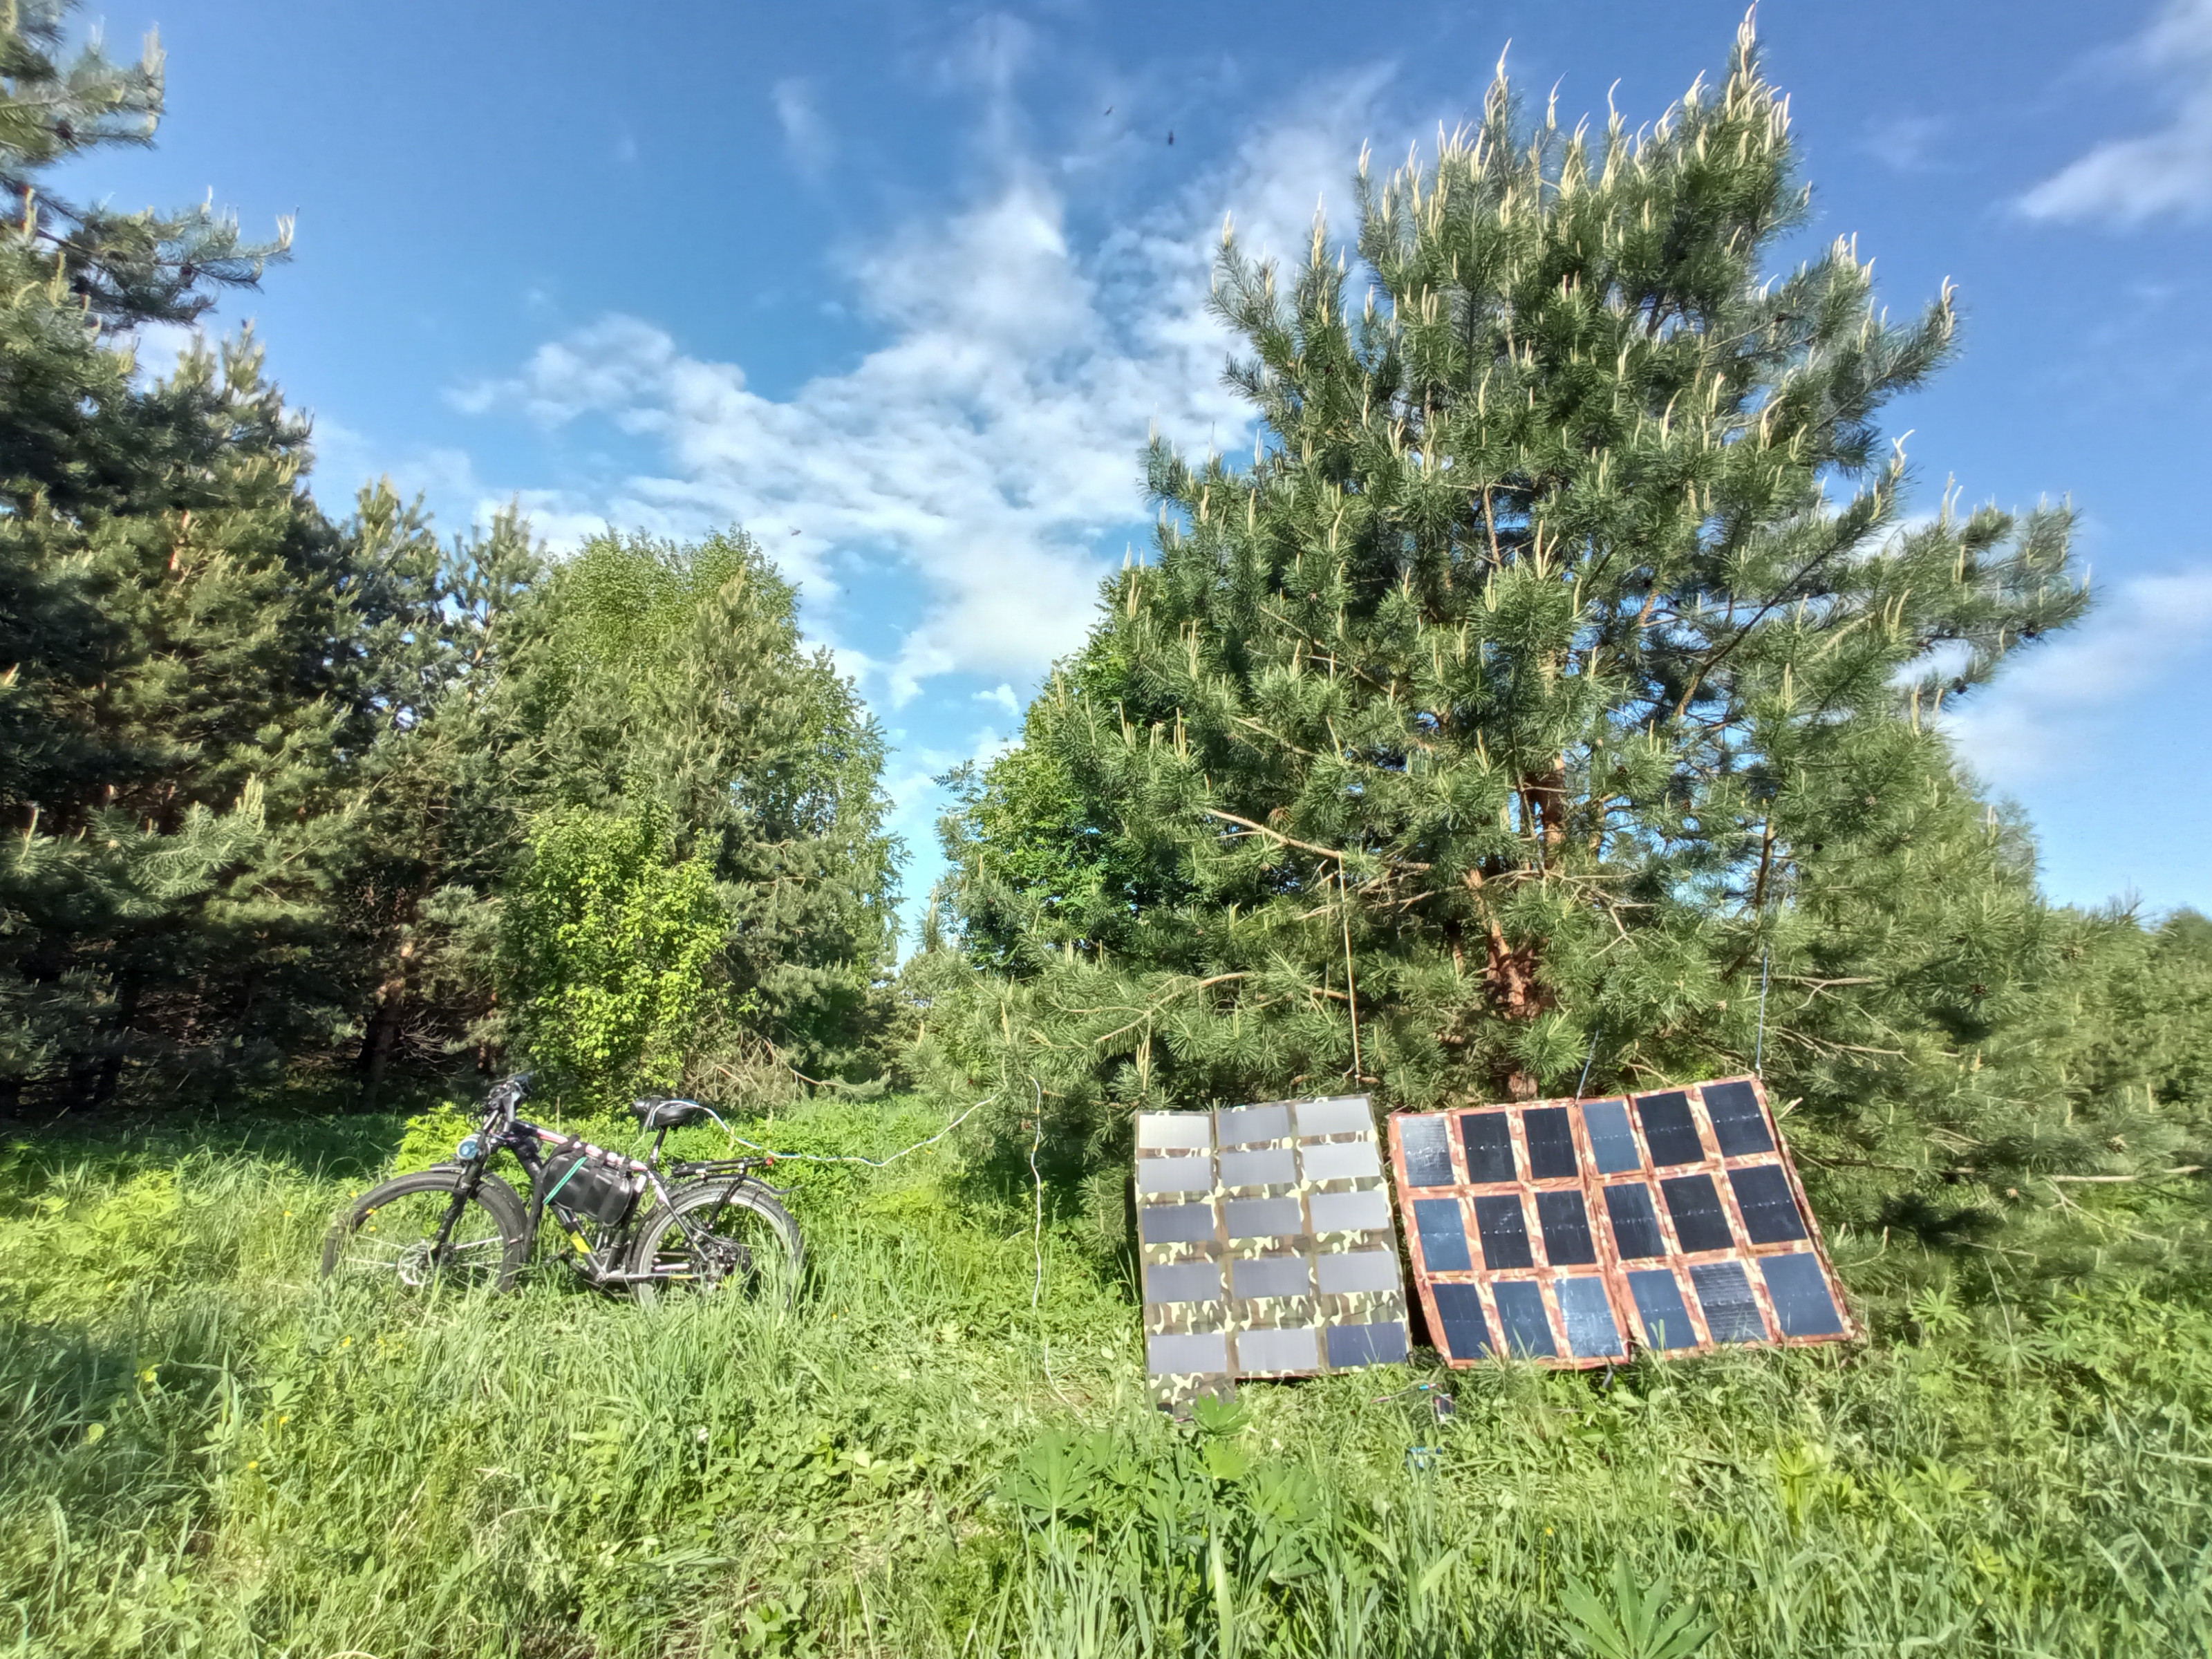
(667,1114)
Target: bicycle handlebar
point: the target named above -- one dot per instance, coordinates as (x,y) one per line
(507,1094)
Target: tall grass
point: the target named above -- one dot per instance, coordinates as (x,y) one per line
(202,1450)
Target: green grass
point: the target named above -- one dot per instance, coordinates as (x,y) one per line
(204,1451)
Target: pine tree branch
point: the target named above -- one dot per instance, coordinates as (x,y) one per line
(2147,1175)
(1159,1003)
(1308,847)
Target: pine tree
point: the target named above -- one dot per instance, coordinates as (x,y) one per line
(1528,691)
(178,702)
(437,807)
(118,268)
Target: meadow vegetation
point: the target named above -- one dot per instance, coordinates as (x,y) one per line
(204,1451)
(1556,698)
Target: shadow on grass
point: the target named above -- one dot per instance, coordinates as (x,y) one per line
(347,1147)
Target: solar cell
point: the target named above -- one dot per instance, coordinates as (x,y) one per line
(1346,1272)
(1175,1174)
(1241,1126)
(1659,1307)
(1289,1348)
(1263,1217)
(1800,1289)
(1174,1224)
(1182,1281)
(1739,1124)
(1505,1230)
(1342,1160)
(1271,1166)
(1188,1350)
(1342,1114)
(1528,1331)
(1443,1233)
(1612,1143)
(1186,1130)
(1459,1311)
(1267,1242)
(1267,1275)
(1566,1222)
(1592,1332)
(1724,1292)
(1550,1144)
(1362,1212)
(1428,1153)
(1488,1139)
(1635,1223)
(1366,1344)
(1694,1207)
(1721,1204)
(1669,1129)
(1769,1208)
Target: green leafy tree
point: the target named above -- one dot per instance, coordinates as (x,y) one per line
(609,946)
(1560,670)
(645,672)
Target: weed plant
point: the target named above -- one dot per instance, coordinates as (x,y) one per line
(202,1450)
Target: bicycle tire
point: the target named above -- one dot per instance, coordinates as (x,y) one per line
(493,1269)
(764,1222)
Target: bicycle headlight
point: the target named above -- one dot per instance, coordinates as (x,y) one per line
(468,1148)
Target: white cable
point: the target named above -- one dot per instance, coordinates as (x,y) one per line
(1759,1045)
(873,1162)
(1037,1140)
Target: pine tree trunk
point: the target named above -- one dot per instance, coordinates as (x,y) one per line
(1511,987)
(384,1028)
(109,1076)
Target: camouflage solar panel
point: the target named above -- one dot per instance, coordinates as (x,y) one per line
(1568,1230)
(1267,1244)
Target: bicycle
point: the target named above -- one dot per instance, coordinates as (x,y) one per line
(628,1228)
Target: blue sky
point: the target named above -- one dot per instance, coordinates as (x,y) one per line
(902,288)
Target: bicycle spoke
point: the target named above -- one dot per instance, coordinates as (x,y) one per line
(724,1248)
(397,1243)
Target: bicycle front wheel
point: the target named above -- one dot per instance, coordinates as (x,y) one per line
(721,1238)
(390,1237)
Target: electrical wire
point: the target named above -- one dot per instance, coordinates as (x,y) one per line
(842,1158)
(1589,1059)
(1351,980)
(1759,1043)
(1036,1181)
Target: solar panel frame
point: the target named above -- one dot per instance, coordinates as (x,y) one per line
(1332,1216)
(1612,1266)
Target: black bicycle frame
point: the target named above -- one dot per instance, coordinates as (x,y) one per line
(503,1131)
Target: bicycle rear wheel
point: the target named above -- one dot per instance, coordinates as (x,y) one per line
(739,1239)
(388,1237)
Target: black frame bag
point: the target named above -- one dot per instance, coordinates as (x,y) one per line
(581,1189)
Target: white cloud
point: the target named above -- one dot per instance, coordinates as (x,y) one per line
(1903,142)
(806,135)
(2060,699)
(1002,695)
(2127,181)
(348,460)
(993,438)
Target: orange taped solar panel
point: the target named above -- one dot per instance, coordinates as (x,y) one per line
(1568,1231)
